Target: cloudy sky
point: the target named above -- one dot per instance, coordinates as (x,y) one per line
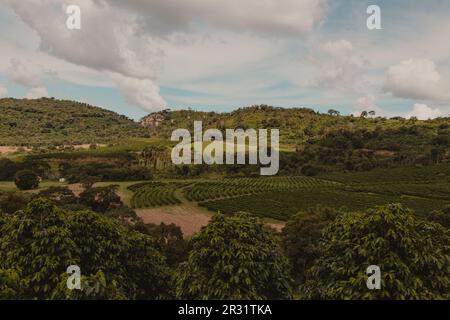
(140,56)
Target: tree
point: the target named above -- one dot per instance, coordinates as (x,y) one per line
(26,180)
(35,242)
(89,181)
(10,284)
(442,217)
(125,215)
(93,287)
(413,255)
(127,257)
(333,112)
(364,114)
(101,199)
(169,240)
(8,169)
(372,113)
(39,167)
(234,257)
(41,241)
(300,239)
(310,170)
(60,195)
(10,202)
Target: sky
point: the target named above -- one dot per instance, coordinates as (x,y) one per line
(140,56)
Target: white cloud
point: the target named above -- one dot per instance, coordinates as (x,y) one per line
(36,93)
(213,65)
(133,39)
(106,42)
(262,18)
(25,73)
(230,53)
(29,74)
(41,63)
(140,92)
(3,91)
(423,112)
(338,65)
(415,79)
(368,103)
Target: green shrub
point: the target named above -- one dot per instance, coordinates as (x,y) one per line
(234,257)
(26,180)
(413,255)
(38,243)
(300,239)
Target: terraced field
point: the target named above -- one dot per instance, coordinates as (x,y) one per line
(227,188)
(281,197)
(155,194)
(281,205)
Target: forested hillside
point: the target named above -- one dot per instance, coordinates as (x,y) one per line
(46,121)
(297,125)
(318,142)
(311,142)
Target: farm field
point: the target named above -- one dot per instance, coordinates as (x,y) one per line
(280,197)
(155,194)
(423,189)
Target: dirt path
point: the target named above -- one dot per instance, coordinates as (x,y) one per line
(189,219)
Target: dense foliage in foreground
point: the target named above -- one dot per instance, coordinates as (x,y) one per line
(320,254)
(39,243)
(413,254)
(234,257)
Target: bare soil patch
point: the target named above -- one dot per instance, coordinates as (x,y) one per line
(189,219)
(87,146)
(10,149)
(76,188)
(276,226)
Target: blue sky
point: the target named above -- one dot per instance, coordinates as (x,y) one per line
(137,57)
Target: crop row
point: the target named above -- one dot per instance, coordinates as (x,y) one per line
(228,188)
(282,205)
(154,194)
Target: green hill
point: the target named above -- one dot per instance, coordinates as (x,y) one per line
(322,142)
(311,142)
(47,121)
(297,125)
